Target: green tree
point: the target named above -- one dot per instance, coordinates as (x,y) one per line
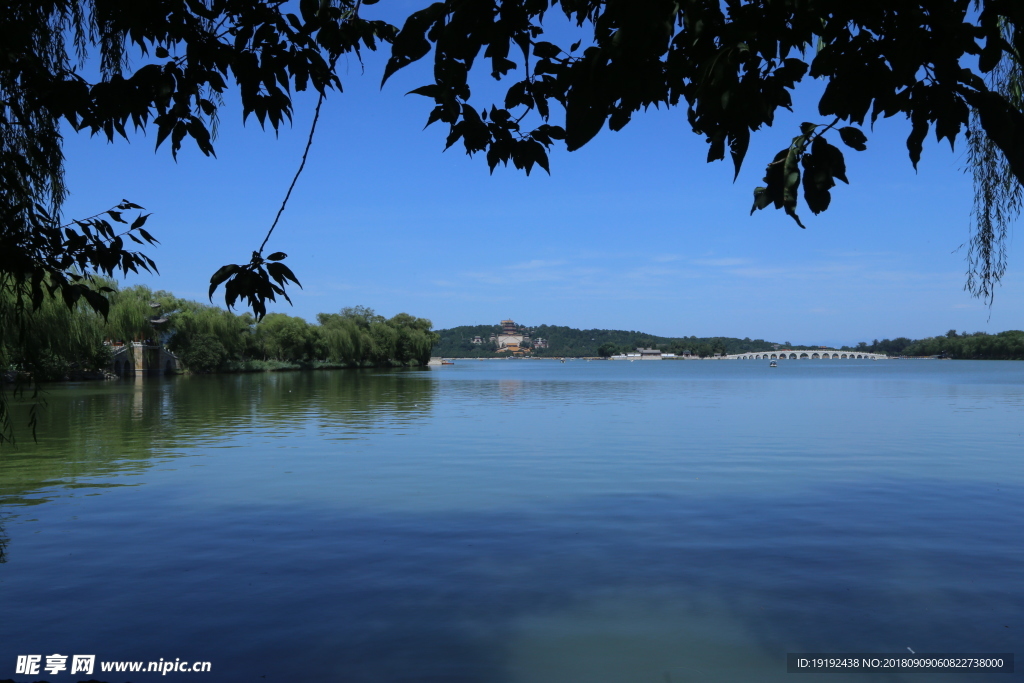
(949,66)
(204,353)
(703,350)
(385,342)
(191,324)
(341,338)
(58,340)
(183,56)
(131,313)
(415,339)
(286,338)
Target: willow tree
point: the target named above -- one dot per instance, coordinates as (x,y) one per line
(286,338)
(998,194)
(414,340)
(344,340)
(130,314)
(184,55)
(190,321)
(58,338)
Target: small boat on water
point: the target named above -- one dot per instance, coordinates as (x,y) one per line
(773,364)
(447,361)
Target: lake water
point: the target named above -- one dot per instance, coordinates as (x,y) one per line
(521,521)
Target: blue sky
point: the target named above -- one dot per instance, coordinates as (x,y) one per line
(634,231)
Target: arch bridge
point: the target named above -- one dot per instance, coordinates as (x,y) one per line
(141,358)
(820,354)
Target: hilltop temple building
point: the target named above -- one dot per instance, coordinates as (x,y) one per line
(511,338)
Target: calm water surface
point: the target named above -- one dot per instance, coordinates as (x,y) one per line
(521,521)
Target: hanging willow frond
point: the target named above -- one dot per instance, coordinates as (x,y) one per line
(998,195)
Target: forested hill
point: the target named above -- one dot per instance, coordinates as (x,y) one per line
(567,341)
(456,342)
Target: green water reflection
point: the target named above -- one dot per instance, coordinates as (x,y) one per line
(88,432)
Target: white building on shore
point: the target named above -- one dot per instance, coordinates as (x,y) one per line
(642,354)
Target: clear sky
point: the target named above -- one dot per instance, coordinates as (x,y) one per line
(634,231)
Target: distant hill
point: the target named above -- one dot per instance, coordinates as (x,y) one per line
(456,342)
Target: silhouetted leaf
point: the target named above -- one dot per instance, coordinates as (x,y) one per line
(222,274)
(410,44)
(281,273)
(545,50)
(915,141)
(761,199)
(853,137)
(738,149)
(97,301)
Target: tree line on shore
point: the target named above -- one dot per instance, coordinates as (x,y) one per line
(1008,345)
(56,341)
(59,341)
(565,341)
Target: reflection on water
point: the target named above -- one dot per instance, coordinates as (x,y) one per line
(90,430)
(522,522)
